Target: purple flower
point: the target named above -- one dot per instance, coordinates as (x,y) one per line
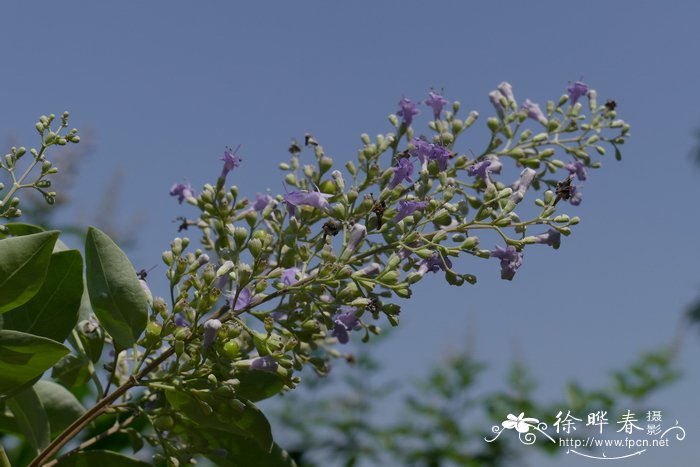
(577,167)
(550,237)
(496,166)
(495,98)
(371,270)
(180,321)
(344,322)
(182,191)
(402,171)
(245,297)
(577,90)
(433,264)
(425,152)
(211,327)
(406,208)
(511,259)
(507,90)
(306,198)
(576,196)
(480,169)
(408,111)
(261,202)
(522,184)
(357,235)
(437,102)
(266,363)
(231,161)
(534,112)
(289,276)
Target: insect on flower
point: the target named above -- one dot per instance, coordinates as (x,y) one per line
(564,190)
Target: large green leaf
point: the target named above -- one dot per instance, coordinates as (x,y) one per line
(62,407)
(23,265)
(17,229)
(31,418)
(24,357)
(235,451)
(101,458)
(223,413)
(115,293)
(53,311)
(258,385)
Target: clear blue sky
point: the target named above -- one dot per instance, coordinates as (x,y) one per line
(166,85)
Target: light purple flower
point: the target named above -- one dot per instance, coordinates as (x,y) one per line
(408,111)
(495,98)
(245,297)
(522,184)
(576,196)
(344,322)
(507,90)
(402,171)
(358,232)
(576,90)
(425,152)
(231,161)
(577,167)
(306,198)
(511,260)
(211,327)
(433,264)
(265,363)
(437,102)
(180,321)
(289,276)
(182,191)
(551,237)
(406,208)
(496,166)
(371,270)
(534,112)
(480,169)
(261,202)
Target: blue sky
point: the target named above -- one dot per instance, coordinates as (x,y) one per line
(164,86)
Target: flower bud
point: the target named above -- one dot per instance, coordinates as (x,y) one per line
(211,328)
(493,124)
(338,179)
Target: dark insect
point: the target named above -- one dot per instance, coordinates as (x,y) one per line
(331,227)
(294,148)
(184,223)
(611,105)
(564,190)
(309,140)
(143,273)
(378,208)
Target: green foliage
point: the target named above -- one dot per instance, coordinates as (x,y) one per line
(31,418)
(115,293)
(100,458)
(53,311)
(61,406)
(24,357)
(23,268)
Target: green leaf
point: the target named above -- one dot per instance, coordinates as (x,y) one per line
(115,293)
(101,458)
(240,452)
(23,265)
(258,385)
(72,370)
(31,418)
(62,407)
(18,229)
(232,415)
(24,357)
(53,311)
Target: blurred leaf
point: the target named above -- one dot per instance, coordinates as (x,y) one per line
(115,292)
(62,407)
(23,265)
(258,385)
(236,451)
(18,229)
(24,357)
(31,418)
(72,370)
(99,458)
(232,415)
(53,311)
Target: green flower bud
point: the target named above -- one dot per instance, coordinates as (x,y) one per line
(240,234)
(492,124)
(469,243)
(255,247)
(231,349)
(324,164)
